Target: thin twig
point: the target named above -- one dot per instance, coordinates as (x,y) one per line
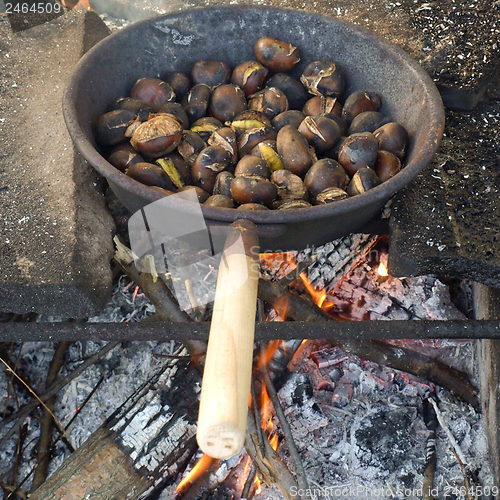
(258,427)
(271,468)
(68,425)
(431,423)
(287,432)
(9,369)
(248,483)
(465,472)
(44,443)
(449,435)
(171,356)
(25,410)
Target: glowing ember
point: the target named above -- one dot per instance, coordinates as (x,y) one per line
(196,472)
(272,259)
(382,270)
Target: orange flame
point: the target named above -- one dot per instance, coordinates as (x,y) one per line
(272,259)
(196,472)
(258,485)
(268,353)
(318,296)
(81,4)
(281,307)
(382,270)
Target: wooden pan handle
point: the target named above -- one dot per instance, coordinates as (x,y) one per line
(225,389)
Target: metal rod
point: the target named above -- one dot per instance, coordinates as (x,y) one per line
(397,329)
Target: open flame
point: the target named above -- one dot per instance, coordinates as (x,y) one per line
(382,270)
(318,296)
(267,354)
(195,473)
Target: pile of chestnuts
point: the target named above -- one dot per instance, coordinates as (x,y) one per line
(254,137)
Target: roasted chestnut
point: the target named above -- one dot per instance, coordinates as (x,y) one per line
(152,91)
(320,131)
(368,121)
(248,139)
(334,152)
(169,168)
(123,156)
(140,108)
(174,108)
(211,73)
(358,151)
(294,150)
(211,161)
(325,173)
(223,183)
(290,204)
(392,137)
(225,138)
(268,151)
(339,121)
(205,126)
(359,102)
(270,101)
(275,54)
(196,102)
(190,146)
(293,89)
(200,193)
(158,136)
(179,82)
(253,190)
(387,165)
(182,168)
(291,117)
(112,126)
(250,76)
(363,180)
(321,105)
(250,119)
(290,186)
(227,102)
(252,206)
(330,195)
(151,175)
(219,201)
(323,78)
(250,166)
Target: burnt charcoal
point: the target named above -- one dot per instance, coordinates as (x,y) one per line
(336,373)
(342,394)
(385,438)
(303,390)
(329,357)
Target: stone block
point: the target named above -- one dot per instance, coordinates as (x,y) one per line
(55,230)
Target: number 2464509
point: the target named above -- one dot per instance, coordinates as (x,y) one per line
(37,8)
